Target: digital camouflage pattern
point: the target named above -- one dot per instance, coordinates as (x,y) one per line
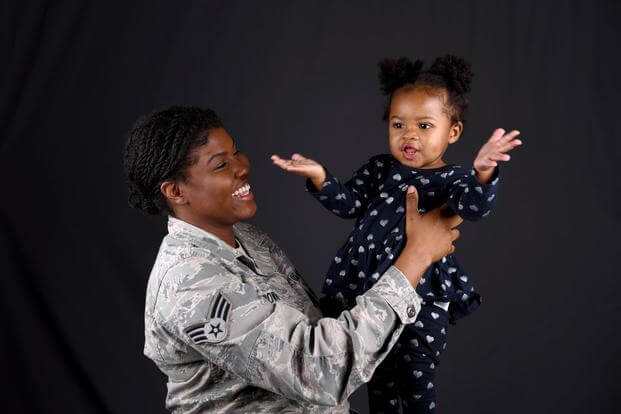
(237,333)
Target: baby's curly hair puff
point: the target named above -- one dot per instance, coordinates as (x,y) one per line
(159,148)
(395,73)
(448,72)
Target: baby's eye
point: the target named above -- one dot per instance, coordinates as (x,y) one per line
(397,125)
(424,125)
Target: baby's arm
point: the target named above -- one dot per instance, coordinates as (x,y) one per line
(303,166)
(494,150)
(472,196)
(345,200)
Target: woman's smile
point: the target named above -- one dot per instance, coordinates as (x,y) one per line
(243,193)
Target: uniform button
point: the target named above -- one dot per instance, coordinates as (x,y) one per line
(411,311)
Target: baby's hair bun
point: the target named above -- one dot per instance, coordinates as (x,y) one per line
(456,71)
(394,73)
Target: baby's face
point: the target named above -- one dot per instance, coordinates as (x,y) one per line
(419,127)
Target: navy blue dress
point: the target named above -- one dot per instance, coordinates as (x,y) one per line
(375,197)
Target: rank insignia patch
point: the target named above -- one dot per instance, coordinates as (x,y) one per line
(215,329)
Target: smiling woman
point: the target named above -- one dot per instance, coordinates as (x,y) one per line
(227,317)
(215,193)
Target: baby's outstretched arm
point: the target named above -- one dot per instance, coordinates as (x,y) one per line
(472,196)
(303,166)
(347,200)
(494,150)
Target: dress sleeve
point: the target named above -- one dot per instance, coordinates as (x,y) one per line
(347,200)
(276,347)
(470,198)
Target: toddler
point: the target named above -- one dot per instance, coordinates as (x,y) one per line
(425,114)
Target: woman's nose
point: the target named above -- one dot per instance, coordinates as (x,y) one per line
(242,166)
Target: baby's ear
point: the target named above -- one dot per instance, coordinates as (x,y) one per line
(455,132)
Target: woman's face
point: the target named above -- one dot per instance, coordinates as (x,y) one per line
(216,190)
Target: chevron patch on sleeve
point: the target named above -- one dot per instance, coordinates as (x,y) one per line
(216,327)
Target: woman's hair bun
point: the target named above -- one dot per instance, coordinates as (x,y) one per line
(138,200)
(456,71)
(394,73)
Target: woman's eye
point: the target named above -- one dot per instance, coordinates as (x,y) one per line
(221,165)
(236,153)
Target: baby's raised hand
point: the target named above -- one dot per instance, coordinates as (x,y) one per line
(302,166)
(494,150)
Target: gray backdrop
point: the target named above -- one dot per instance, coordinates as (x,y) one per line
(301,76)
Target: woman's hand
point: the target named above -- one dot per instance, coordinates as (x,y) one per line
(494,150)
(429,238)
(303,166)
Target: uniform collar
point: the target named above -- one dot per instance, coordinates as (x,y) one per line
(184,231)
(252,242)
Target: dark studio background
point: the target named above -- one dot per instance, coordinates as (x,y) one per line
(301,76)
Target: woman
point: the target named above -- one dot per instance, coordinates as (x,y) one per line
(227,317)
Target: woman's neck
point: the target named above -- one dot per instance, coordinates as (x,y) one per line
(223,232)
(226,235)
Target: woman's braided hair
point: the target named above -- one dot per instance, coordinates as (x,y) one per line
(448,72)
(159,147)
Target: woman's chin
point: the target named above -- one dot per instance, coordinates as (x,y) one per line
(248,212)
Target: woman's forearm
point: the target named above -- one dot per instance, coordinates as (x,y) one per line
(413,264)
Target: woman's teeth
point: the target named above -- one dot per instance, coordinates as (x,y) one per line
(242,191)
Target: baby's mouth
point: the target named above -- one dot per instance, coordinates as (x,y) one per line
(409,152)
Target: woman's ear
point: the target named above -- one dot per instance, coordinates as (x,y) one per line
(455,132)
(172,192)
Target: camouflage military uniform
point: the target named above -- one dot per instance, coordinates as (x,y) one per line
(240,334)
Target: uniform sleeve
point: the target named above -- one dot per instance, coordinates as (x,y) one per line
(276,347)
(347,200)
(470,198)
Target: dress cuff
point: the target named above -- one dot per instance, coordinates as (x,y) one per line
(493,180)
(327,184)
(399,293)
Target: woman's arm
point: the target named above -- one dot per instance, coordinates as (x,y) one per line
(276,347)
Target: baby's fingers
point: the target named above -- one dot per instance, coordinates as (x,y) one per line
(509,136)
(498,156)
(509,145)
(275,158)
(279,161)
(282,163)
(496,135)
(292,166)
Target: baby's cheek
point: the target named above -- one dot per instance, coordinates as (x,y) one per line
(395,151)
(393,144)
